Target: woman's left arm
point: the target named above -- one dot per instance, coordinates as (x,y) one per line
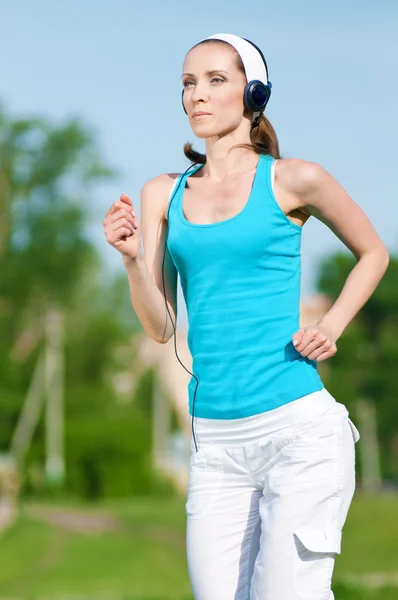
(321,195)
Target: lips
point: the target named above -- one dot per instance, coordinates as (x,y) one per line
(200,114)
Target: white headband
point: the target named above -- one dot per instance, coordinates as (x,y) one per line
(251,58)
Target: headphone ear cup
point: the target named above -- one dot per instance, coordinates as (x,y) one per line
(182,100)
(267,94)
(256,95)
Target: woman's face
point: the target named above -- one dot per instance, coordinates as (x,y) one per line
(213,85)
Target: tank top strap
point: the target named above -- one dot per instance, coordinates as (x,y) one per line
(177,187)
(261,182)
(268,169)
(269,199)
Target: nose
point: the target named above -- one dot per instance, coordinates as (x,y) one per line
(199,93)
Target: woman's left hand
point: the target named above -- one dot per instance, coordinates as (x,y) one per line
(315,342)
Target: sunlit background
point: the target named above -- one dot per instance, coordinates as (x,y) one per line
(94,423)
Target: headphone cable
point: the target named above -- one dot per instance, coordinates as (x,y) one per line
(164,293)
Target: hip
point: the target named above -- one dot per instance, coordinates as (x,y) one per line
(250,429)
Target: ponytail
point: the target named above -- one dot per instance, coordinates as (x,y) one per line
(264,139)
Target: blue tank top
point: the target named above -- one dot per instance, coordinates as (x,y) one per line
(241,283)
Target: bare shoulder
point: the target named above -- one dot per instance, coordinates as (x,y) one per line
(156,191)
(298,176)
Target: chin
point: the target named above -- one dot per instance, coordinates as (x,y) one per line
(204,131)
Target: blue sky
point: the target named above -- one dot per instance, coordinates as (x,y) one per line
(117,65)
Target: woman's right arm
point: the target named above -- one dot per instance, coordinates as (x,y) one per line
(144,265)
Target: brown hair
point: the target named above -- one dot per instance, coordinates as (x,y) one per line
(263,136)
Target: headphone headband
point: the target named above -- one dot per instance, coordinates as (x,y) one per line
(252,59)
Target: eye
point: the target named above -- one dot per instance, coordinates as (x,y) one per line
(188,82)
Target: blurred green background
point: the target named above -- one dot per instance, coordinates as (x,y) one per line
(85,510)
(92,465)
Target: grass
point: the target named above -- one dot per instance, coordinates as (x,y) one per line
(370,536)
(140,552)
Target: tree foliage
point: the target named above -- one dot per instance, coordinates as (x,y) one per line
(364,366)
(48,175)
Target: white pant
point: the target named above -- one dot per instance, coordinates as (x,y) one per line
(267,500)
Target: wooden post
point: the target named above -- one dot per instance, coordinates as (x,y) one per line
(369,446)
(53,379)
(30,414)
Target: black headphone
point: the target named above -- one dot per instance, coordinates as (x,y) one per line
(256,93)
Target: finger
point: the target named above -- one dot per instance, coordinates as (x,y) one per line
(314,345)
(324,356)
(317,353)
(113,208)
(120,241)
(120,205)
(127,200)
(297,337)
(120,214)
(119,236)
(121,223)
(308,337)
(331,350)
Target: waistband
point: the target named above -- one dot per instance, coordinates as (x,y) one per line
(250,429)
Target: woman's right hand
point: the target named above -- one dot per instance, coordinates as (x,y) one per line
(121,227)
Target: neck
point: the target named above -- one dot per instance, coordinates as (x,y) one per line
(221,161)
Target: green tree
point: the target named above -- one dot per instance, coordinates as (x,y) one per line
(364,366)
(47,176)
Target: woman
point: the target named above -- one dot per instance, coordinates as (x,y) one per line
(274,475)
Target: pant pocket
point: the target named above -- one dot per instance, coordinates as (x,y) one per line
(205,467)
(314,560)
(310,459)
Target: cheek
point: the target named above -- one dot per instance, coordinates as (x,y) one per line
(234,105)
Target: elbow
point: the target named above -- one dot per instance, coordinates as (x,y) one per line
(384,258)
(162,340)
(380,255)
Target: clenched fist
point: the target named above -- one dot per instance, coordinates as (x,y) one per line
(121,227)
